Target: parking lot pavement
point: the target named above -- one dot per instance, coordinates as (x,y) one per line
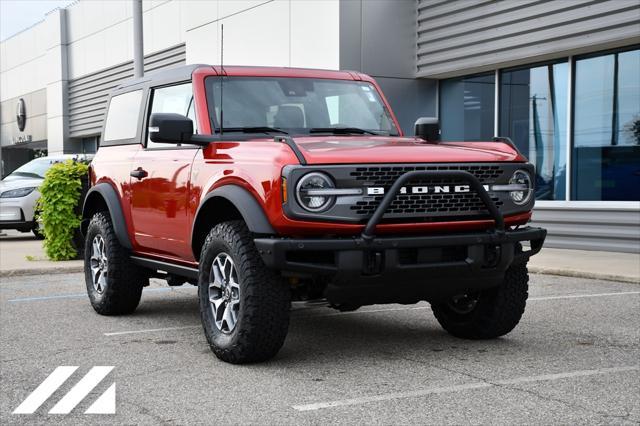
(574,358)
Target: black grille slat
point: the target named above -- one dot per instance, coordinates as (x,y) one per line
(385,176)
(402,204)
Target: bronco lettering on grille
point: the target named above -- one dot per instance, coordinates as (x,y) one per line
(436,189)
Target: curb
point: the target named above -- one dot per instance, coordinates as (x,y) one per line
(67,269)
(583,274)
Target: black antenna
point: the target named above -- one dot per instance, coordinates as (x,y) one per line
(221,77)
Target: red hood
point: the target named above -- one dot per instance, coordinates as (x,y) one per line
(383,149)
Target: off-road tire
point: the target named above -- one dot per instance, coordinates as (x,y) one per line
(496,313)
(265,299)
(124,280)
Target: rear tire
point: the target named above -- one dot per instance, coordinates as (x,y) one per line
(114,284)
(233,277)
(488,314)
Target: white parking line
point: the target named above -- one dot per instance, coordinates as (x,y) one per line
(458,388)
(372,311)
(580,296)
(163,289)
(531,299)
(83,295)
(59,296)
(150,330)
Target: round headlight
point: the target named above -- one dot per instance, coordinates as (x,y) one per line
(309,192)
(523,180)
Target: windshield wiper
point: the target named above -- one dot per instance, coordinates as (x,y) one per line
(342,131)
(256,129)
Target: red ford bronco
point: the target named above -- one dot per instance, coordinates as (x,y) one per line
(267,185)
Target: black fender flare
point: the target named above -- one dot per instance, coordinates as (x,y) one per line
(247,205)
(112,200)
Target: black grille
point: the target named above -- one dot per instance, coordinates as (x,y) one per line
(410,205)
(385,176)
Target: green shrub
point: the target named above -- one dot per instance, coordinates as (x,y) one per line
(58,208)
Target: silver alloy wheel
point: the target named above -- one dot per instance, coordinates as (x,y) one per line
(224,293)
(99,264)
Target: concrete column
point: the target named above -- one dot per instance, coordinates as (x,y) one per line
(57,83)
(138,46)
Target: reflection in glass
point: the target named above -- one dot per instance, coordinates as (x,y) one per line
(466,108)
(606,134)
(533,113)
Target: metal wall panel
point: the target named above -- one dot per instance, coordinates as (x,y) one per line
(378,38)
(88,94)
(460,37)
(590,228)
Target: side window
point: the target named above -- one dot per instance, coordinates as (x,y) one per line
(177,99)
(123,116)
(191,113)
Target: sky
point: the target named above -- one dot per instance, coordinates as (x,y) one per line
(17,15)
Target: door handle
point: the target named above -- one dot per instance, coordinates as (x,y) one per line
(139,173)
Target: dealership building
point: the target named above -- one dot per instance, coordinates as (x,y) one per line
(561,78)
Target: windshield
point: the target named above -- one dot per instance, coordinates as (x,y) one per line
(298,105)
(33,169)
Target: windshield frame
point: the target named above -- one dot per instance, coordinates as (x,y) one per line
(210,97)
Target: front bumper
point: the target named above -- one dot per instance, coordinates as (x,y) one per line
(18,211)
(474,253)
(12,217)
(415,267)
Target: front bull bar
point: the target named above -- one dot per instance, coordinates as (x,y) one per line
(368,234)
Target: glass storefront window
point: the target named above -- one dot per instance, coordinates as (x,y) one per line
(533,113)
(606,128)
(466,108)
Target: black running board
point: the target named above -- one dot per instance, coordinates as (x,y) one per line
(169,268)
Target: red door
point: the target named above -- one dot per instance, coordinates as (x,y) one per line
(160,199)
(160,184)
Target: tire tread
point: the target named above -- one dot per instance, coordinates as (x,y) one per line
(125,280)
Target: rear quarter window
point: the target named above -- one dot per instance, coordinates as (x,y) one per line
(123,116)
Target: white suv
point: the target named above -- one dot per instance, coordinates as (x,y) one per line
(19,193)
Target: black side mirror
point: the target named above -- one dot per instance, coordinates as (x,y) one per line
(170,128)
(428,128)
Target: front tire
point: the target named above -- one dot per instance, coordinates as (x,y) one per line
(244,306)
(37,226)
(114,284)
(37,232)
(488,314)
